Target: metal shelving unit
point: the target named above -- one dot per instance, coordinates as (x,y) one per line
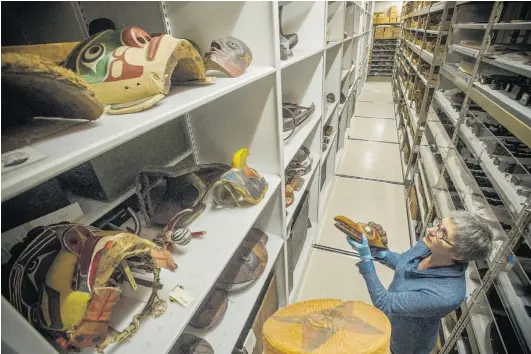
(469,141)
(382,52)
(331,57)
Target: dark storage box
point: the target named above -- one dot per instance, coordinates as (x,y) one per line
(112,173)
(298,232)
(39,201)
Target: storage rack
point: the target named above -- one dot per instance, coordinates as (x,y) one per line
(465,149)
(382,53)
(251,117)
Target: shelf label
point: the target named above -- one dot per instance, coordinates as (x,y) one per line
(182,297)
(250,341)
(20,157)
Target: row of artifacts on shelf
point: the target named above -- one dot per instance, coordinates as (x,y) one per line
(435,24)
(299,166)
(412,6)
(113,71)
(244,268)
(516,87)
(423,68)
(386,32)
(512,53)
(293,116)
(414,94)
(287,40)
(65,279)
(499,332)
(428,45)
(327,134)
(511,156)
(331,98)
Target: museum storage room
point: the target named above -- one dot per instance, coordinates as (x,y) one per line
(239,177)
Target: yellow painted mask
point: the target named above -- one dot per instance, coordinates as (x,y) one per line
(129,71)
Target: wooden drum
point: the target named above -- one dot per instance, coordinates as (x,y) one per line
(327,326)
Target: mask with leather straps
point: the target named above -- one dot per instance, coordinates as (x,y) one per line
(239,186)
(66,280)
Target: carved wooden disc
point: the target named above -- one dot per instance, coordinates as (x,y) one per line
(327,326)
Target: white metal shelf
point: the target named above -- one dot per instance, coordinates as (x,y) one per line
(329,147)
(517,307)
(515,66)
(85,141)
(434,32)
(513,116)
(330,108)
(479,320)
(298,55)
(472,197)
(426,56)
(298,194)
(464,50)
(292,145)
(420,199)
(525,25)
(226,228)
(425,185)
(426,10)
(333,44)
(298,272)
(469,25)
(94,209)
(503,186)
(509,113)
(412,234)
(523,113)
(430,166)
(461,349)
(223,337)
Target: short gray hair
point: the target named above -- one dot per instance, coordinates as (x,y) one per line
(473,237)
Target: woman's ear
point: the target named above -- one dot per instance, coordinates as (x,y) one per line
(457,258)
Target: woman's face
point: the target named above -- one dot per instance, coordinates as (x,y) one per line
(440,239)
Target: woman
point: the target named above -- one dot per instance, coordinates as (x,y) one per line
(429,279)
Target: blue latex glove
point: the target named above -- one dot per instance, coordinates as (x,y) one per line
(378,254)
(366,252)
(362,248)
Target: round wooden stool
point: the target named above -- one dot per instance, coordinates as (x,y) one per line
(327,326)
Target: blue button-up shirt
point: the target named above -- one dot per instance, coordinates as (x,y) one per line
(416,300)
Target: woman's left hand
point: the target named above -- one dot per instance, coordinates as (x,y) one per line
(362,248)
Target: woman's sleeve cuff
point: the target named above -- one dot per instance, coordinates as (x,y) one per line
(366,267)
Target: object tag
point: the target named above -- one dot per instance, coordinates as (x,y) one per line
(182,297)
(21,157)
(250,341)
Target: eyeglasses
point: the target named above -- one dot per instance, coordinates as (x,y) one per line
(441,232)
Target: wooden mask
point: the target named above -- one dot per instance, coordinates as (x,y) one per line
(130,71)
(229,55)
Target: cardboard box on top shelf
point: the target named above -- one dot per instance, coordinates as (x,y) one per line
(393,11)
(381,20)
(391,32)
(393,20)
(379,14)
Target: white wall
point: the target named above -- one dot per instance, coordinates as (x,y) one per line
(383,6)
